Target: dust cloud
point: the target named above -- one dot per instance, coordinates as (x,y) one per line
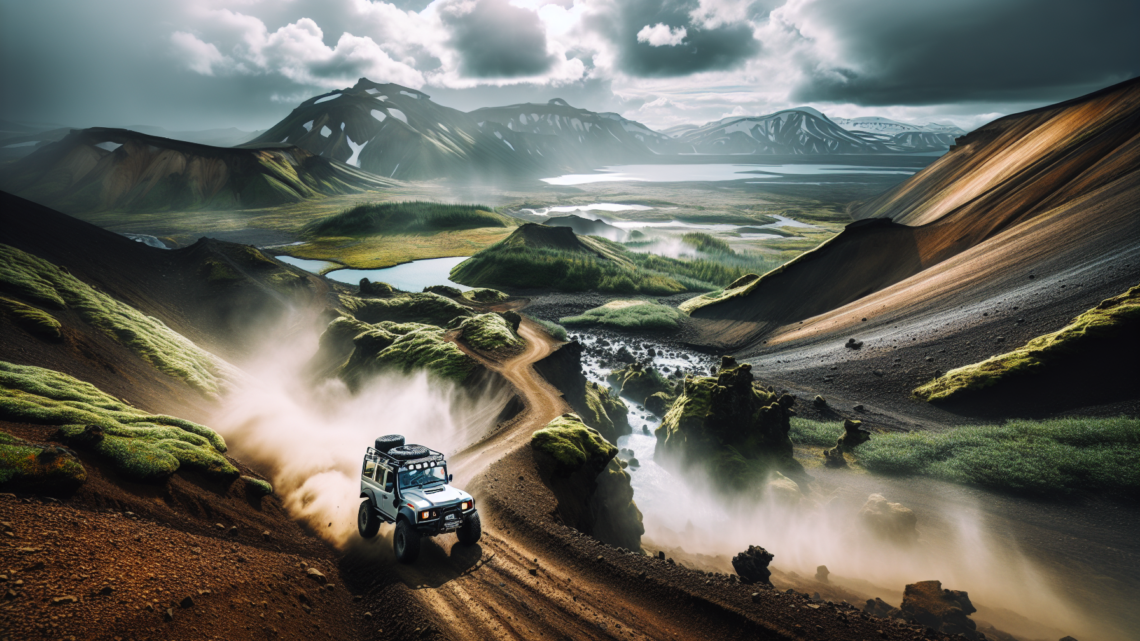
(955,545)
(309,435)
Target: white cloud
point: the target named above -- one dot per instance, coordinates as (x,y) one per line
(661,35)
(199,57)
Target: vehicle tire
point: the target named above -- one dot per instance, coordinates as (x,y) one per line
(408,452)
(385,443)
(366,520)
(406,542)
(471,531)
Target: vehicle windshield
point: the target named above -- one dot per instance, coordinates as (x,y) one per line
(427,476)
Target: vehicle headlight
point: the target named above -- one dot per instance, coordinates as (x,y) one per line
(466,505)
(424,515)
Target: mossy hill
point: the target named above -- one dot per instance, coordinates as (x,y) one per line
(139,445)
(537,256)
(38,468)
(631,315)
(1104,328)
(405,217)
(36,288)
(119,170)
(733,429)
(492,332)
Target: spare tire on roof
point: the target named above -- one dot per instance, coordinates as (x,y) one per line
(408,452)
(385,443)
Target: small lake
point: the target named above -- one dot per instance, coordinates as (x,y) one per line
(409,277)
(680,225)
(565,209)
(722,172)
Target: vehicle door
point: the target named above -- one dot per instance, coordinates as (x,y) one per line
(386,491)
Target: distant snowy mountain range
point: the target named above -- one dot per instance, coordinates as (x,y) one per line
(400,133)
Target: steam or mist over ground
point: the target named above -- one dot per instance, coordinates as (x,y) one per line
(310,436)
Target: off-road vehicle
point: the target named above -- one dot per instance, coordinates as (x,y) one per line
(408,485)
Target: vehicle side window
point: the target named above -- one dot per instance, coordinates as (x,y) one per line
(389,482)
(369,469)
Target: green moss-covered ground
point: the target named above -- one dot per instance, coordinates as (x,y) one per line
(490,333)
(634,315)
(1110,319)
(428,308)
(484,295)
(406,348)
(402,217)
(555,330)
(37,282)
(258,487)
(638,382)
(605,412)
(140,446)
(27,466)
(1046,458)
(31,319)
(572,445)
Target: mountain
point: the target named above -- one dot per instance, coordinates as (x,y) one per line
(784,132)
(588,227)
(878,125)
(586,138)
(222,137)
(397,132)
(18,140)
(105,169)
(1034,212)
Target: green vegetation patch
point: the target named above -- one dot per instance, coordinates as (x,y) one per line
(639,382)
(572,445)
(406,348)
(258,487)
(484,295)
(403,217)
(32,319)
(1110,319)
(555,330)
(706,243)
(37,281)
(1047,458)
(428,308)
(28,466)
(644,315)
(490,333)
(605,412)
(141,446)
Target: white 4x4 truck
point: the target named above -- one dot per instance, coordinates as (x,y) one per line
(408,485)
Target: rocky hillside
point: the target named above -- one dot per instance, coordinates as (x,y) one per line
(790,132)
(115,169)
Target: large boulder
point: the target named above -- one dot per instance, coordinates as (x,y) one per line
(376,289)
(752,565)
(946,611)
(596,406)
(853,436)
(736,430)
(593,491)
(490,333)
(638,382)
(406,348)
(889,521)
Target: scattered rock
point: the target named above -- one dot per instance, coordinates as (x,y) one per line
(316,575)
(819,402)
(858,407)
(752,564)
(188,602)
(168,615)
(219,526)
(879,608)
(821,573)
(891,521)
(64,600)
(945,611)
(233,530)
(853,344)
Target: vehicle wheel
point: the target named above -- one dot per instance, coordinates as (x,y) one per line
(367,521)
(406,541)
(408,452)
(470,532)
(385,443)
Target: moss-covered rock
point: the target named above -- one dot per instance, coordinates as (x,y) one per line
(258,487)
(605,412)
(490,333)
(853,436)
(595,404)
(31,319)
(735,430)
(405,348)
(34,281)
(1112,318)
(37,468)
(484,295)
(141,446)
(659,403)
(593,491)
(638,382)
(444,290)
(573,446)
(376,289)
(430,309)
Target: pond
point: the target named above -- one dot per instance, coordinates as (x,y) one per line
(311,266)
(722,172)
(409,277)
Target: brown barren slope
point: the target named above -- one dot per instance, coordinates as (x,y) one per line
(1047,192)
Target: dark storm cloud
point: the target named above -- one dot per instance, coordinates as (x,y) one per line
(498,40)
(902,52)
(724,47)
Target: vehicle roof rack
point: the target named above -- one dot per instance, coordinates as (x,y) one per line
(432,457)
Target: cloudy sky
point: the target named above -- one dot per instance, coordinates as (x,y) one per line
(247,63)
